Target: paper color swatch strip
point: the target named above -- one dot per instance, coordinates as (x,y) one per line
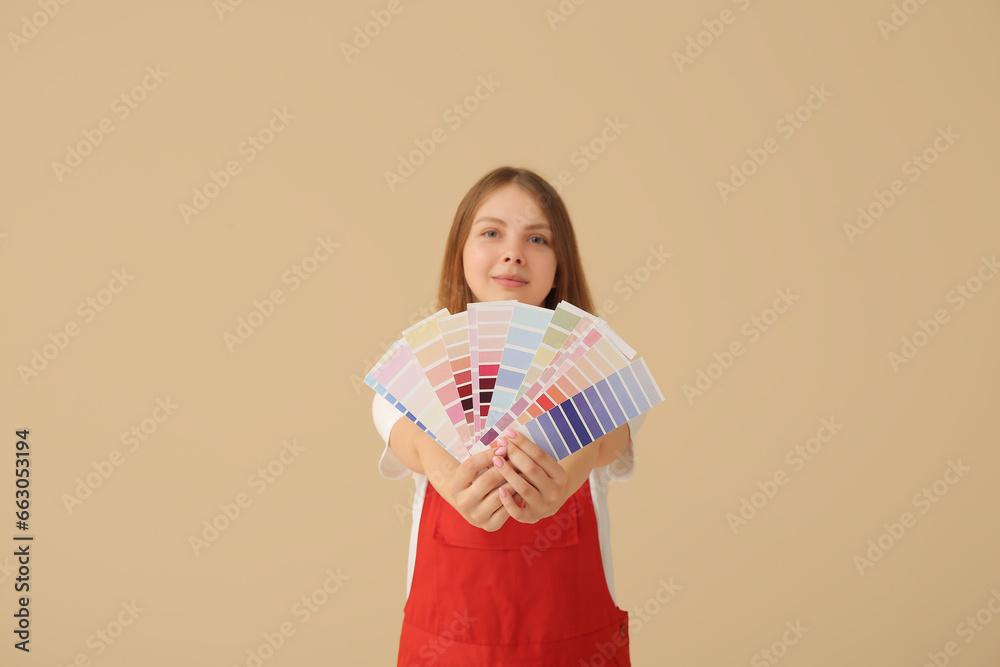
(399,374)
(430,352)
(454,332)
(527,326)
(493,323)
(567,320)
(595,411)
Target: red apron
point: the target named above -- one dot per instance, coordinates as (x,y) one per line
(527,595)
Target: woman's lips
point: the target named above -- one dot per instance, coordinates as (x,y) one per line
(507,282)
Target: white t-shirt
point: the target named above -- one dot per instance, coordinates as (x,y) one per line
(385,416)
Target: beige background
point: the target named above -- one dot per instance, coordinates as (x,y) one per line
(298,375)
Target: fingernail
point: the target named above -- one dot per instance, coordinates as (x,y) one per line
(503,492)
(497,461)
(501,442)
(510,433)
(500,451)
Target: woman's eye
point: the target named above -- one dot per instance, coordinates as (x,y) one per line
(541,240)
(490,231)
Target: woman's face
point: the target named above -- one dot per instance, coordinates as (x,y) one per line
(509,252)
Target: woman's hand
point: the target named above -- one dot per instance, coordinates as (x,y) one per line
(477,496)
(534,474)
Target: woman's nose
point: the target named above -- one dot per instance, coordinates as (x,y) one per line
(513,256)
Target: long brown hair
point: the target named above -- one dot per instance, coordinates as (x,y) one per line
(569,283)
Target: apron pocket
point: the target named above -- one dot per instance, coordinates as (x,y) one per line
(558,530)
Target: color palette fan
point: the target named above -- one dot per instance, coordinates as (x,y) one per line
(560,377)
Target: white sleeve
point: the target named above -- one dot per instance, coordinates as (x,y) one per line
(621,469)
(385,416)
